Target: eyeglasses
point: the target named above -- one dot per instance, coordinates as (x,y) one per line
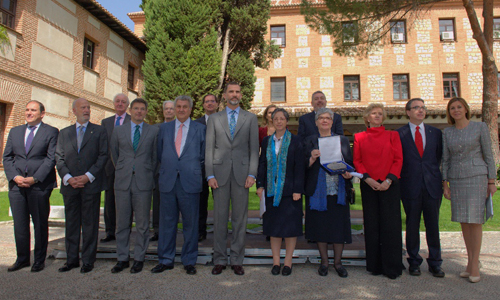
(324,118)
(418,108)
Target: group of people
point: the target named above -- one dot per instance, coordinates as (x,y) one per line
(177,161)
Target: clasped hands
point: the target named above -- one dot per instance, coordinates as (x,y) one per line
(24,182)
(78,182)
(376,186)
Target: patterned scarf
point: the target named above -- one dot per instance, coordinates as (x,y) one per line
(276,167)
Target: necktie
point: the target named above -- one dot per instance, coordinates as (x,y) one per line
(30,138)
(79,138)
(178,141)
(232,123)
(418,141)
(117,123)
(137,137)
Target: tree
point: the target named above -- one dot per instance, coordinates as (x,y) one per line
(4,39)
(367,23)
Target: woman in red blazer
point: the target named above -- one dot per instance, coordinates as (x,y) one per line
(379,157)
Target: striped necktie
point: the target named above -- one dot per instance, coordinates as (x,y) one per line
(232,123)
(137,137)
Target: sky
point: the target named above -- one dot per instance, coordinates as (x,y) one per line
(120,9)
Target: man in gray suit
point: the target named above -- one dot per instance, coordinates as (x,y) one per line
(133,151)
(120,101)
(231,163)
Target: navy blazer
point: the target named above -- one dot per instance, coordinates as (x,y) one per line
(307,125)
(419,172)
(294,177)
(189,165)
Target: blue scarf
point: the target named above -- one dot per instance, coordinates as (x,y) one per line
(276,167)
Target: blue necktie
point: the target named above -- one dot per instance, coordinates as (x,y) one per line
(29,140)
(117,123)
(137,137)
(232,123)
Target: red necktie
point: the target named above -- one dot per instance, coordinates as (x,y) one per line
(178,140)
(418,142)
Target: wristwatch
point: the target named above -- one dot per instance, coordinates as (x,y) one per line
(388,181)
(35,180)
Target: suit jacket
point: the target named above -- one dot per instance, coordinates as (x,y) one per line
(109,125)
(190,163)
(307,125)
(240,154)
(91,158)
(40,160)
(418,172)
(127,162)
(311,143)
(202,120)
(294,176)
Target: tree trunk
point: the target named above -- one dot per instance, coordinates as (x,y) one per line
(225,56)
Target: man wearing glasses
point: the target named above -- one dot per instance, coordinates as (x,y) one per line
(421,183)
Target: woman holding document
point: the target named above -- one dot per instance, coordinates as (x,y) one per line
(327,210)
(281,176)
(378,155)
(469,175)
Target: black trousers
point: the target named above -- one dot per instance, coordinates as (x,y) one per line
(414,208)
(203,214)
(26,202)
(382,225)
(82,215)
(109,206)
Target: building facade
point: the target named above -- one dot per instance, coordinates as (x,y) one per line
(62,50)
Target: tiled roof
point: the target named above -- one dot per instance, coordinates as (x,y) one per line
(283,3)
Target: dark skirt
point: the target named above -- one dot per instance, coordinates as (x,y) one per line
(330,226)
(285,220)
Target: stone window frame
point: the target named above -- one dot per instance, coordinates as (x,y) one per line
(447,28)
(278,33)
(394,28)
(450,81)
(281,95)
(131,77)
(85,61)
(8,17)
(498,83)
(350,36)
(400,81)
(496,28)
(350,80)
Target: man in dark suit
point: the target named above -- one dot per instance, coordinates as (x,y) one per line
(307,122)
(29,160)
(181,150)
(421,187)
(120,101)
(133,151)
(210,105)
(81,153)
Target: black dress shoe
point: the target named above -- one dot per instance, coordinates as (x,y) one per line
(68,267)
(217,269)
(392,276)
(202,237)
(137,267)
(414,270)
(238,269)
(18,266)
(108,238)
(190,269)
(437,271)
(286,271)
(154,238)
(86,268)
(120,266)
(323,270)
(276,270)
(161,267)
(37,267)
(341,271)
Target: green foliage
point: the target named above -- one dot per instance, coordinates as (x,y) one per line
(4,39)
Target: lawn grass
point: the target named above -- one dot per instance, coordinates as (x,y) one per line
(445,223)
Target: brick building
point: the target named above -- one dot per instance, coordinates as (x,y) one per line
(62,50)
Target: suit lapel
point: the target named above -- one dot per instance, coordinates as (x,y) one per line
(241,120)
(72,137)
(428,133)
(128,136)
(225,123)
(145,130)
(191,132)
(38,136)
(171,135)
(88,134)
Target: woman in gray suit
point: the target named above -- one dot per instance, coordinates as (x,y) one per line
(469,175)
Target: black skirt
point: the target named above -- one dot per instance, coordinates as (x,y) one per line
(330,226)
(285,220)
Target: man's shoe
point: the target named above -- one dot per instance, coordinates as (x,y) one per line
(286,271)
(161,267)
(137,267)
(154,238)
(414,270)
(120,266)
(323,270)
(217,269)
(190,269)
(238,270)
(437,271)
(86,268)
(37,267)
(18,266)
(68,267)
(202,237)
(108,238)
(341,271)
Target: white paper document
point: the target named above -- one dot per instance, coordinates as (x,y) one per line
(330,149)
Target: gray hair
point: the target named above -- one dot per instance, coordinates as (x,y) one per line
(282,110)
(74,101)
(323,110)
(184,98)
(165,102)
(121,94)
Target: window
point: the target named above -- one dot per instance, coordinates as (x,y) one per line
(278,35)
(496,28)
(130,77)
(349,33)
(447,30)
(88,53)
(398,32)
(351,88)
(451,86)
(8,12)
(400,87)
(278,89)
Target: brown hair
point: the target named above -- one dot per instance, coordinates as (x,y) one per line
(450,119)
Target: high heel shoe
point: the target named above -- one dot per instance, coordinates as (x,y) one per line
(464,274)
(474,279)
